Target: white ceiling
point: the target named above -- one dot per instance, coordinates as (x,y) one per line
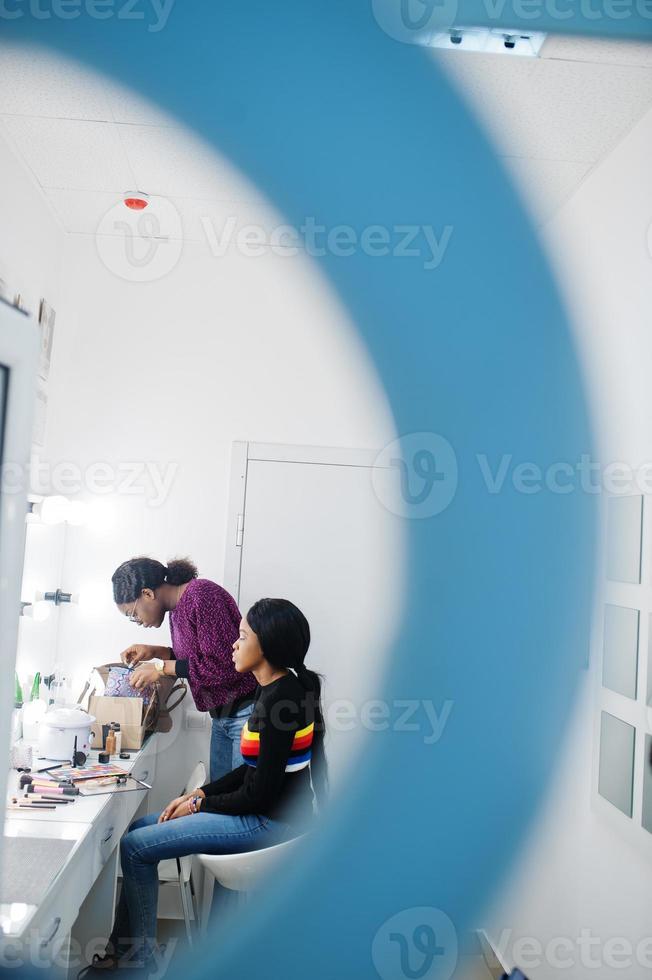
(554,118)
(86,141)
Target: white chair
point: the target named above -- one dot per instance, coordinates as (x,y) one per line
(241,873)
(178,871)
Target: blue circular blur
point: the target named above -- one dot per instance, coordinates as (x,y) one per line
(338,121)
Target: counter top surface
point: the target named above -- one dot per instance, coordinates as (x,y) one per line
(83,809)
(80,824)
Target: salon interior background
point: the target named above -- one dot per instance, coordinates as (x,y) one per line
(574,127)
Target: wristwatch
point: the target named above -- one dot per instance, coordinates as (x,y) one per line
(158,663)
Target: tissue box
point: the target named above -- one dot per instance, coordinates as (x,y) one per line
(127,711)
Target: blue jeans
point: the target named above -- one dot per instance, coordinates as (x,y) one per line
(147,842)
(225,743)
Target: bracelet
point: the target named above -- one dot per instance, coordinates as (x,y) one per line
(193,804)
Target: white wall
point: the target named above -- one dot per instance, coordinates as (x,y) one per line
(580,878)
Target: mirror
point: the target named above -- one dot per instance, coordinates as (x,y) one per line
(624,538)
(620,659)
(616,779)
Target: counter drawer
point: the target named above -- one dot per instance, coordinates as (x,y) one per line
(145,767)
(108,830)
(51,924)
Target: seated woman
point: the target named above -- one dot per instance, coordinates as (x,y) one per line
(266,800)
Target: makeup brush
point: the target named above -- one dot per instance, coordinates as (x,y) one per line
(40,797)
(53,790)
(15,805)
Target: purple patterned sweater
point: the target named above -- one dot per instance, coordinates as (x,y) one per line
(204,626)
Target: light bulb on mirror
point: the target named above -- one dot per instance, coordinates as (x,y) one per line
(53,510)
(39,610)
(58,509)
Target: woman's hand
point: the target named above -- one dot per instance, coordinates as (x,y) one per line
(170,811)
(143,676)
(179,806)
(139,652)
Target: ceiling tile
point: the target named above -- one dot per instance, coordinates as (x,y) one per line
(217,224)
(546,184)
(129,107)
(35,83)
(548,109)
(587,108)
(99,212)
(221,223)
(598,50)
(174,163)
(81,211)
(71,153)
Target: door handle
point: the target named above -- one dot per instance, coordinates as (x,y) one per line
(46,942)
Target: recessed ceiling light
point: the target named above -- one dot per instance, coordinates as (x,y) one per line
(490,41)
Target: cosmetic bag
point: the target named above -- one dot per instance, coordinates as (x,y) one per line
(161,698)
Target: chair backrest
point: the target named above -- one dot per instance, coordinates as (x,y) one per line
(196,779)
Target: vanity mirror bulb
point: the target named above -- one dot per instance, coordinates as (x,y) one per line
(39,610)
(52,510)
(58,510)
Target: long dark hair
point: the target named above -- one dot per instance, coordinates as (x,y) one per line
(137,574)
(284,637)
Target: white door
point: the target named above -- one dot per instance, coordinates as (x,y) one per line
(310,527)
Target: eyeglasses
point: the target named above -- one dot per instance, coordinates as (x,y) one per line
(132,617)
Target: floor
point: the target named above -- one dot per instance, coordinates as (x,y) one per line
(477,963)
(173,930)
(477,960)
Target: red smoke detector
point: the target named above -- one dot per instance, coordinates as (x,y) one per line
(136,201)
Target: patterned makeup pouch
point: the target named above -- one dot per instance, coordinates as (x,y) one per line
(118,686)
(159,699)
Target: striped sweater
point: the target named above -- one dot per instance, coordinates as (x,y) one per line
(300,750)
(276,746)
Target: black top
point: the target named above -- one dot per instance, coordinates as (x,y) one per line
(276,744)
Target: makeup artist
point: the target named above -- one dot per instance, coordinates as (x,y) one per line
(204,623)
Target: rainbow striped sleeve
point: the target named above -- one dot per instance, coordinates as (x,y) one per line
(300,752)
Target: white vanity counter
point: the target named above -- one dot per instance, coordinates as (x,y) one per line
(74,848)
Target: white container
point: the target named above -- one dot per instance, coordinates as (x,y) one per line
(16,725)
(58,730)
(33,715)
